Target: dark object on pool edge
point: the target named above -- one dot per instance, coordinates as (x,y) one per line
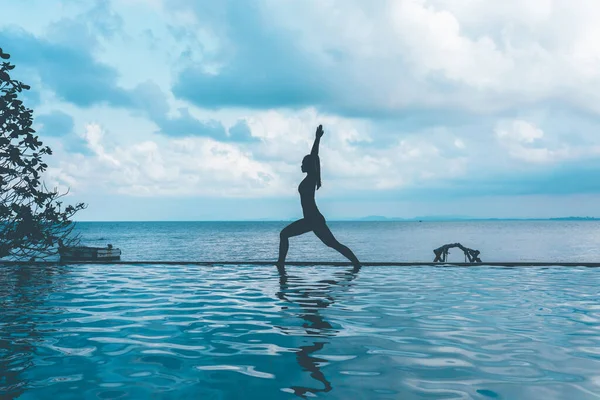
(441,253)
(84,253)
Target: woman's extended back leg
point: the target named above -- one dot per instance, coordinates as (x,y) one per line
(324,233)
(296,228)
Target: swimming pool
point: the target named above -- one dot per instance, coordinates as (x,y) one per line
(227,332)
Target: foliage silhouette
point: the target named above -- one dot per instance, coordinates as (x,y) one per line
(32,218)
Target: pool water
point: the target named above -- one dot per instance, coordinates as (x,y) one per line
(243,332)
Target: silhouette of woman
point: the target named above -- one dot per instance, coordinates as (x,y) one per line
(313,220)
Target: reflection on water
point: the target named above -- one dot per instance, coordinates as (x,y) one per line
(233,332)
(312,299)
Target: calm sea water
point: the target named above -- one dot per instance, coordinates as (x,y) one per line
(371,241)
(241,332)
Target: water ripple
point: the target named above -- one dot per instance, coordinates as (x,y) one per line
(169,331)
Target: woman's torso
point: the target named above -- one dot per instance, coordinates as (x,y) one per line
(307,198)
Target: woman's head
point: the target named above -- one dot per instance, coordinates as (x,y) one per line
(312,165)
(308,164)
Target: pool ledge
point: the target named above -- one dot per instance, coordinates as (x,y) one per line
(323,263)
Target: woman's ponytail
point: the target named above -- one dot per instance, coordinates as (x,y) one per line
(318,170)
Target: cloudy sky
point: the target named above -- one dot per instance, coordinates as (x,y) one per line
(203,110)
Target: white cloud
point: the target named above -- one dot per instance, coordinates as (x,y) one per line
(189,166)
(202,166)
(519,131)
(346,162)
(93,136)
(516,136)
(434,43)
(494,55)
(525,141)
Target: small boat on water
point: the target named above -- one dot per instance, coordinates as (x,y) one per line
(85,253)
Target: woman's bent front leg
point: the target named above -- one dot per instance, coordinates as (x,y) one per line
(296,228)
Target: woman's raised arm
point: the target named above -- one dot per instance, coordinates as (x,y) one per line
(315,148)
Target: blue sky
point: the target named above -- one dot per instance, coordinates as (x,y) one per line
(201,110)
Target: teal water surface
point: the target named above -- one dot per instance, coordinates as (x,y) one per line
(241,332)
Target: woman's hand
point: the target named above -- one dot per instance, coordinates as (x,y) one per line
(315,148)
(320,131)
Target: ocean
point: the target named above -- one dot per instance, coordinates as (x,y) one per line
(176,331)
(503,241)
